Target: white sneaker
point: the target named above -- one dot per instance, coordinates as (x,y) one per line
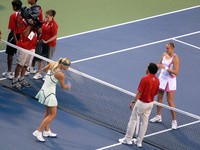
(49,134)
(157,118)
(174,124)
(32,70)
(38,135)
(125,141)
(137,143)
(8,75)
(4,74)
(37,76)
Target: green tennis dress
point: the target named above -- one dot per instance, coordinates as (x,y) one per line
(47,94)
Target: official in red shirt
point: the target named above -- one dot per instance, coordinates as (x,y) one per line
(28,38)
(142,105)
(48,36)
(49,31)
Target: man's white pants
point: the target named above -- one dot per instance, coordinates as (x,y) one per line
(140,110)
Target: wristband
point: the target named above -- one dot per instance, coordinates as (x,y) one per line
(166,68)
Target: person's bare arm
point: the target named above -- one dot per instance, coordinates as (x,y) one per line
(61,77)
(176,64)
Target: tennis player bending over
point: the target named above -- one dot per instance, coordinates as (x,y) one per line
(47,96)
(142,105)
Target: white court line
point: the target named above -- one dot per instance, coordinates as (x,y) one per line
(135,47)
(2,79)
(121,24)
(2,51)
(186,44)
(152,134)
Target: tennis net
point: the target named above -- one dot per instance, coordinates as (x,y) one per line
(108,105)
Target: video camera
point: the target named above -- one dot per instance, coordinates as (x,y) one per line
(32,13)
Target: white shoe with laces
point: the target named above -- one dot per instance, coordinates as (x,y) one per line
(137,143)
(49,134)
(37,76)
(157,118)
(8,75)
(125,141)
(38,135)
(174,124)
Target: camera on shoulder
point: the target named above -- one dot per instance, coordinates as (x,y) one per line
(32,13)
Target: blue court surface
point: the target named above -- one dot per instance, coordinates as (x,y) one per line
(117,55)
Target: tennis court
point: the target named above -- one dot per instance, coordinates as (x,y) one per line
(116,56)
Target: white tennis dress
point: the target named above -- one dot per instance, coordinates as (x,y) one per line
(47,94)
(167,80)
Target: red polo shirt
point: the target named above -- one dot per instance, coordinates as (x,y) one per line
(27,42)
(14,23)
(49,29)
(148,88)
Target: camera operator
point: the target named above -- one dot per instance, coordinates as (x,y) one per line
(28,41)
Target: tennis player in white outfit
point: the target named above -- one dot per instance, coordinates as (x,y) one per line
(47,95)
(169,65)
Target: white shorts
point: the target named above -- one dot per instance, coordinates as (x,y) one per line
(167,85)
(25,59)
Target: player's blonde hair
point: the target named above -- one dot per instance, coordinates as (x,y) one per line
(63,61)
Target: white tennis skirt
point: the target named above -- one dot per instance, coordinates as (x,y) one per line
(47,99)
(168,84)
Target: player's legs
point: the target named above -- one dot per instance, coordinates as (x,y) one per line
(158,117)
(170,100)
(160,100)
(47,120)
(47,113)
(50,114)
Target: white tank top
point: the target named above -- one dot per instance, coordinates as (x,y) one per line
(167,63)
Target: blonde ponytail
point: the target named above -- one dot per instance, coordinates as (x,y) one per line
(56,65)
(63,61)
